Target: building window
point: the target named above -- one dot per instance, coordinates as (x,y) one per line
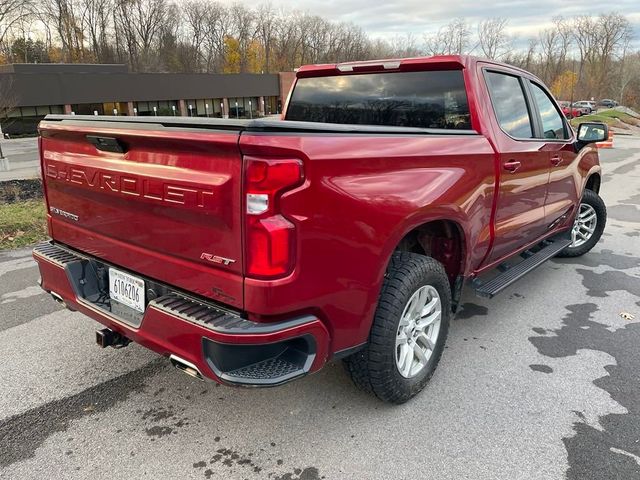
(216,107)
(89,109)
(271,105)
(28,111)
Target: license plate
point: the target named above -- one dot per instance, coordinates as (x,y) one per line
(126,289)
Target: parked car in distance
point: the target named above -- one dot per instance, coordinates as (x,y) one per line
(568,110)
(585,106)
(607,102)
(252,252)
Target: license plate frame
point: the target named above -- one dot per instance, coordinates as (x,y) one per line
(127,289)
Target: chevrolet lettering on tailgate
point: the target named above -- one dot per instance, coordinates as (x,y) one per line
(128,184)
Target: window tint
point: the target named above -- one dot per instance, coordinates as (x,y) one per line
(552,124)
(509,104)
(408,99)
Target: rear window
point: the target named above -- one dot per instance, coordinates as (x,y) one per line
(407,99)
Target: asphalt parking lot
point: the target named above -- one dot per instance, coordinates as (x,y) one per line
(542,382)
(21,159)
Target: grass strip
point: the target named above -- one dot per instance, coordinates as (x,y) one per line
(22,223)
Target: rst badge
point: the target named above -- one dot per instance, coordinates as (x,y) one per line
(216,259)
(62,213)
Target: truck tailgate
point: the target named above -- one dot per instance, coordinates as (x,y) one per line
(163,202)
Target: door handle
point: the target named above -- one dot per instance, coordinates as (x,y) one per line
(512,165)
(556,160)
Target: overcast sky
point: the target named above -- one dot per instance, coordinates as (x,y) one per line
(390,18)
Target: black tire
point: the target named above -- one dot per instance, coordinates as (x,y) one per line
(593,199)
(374,369)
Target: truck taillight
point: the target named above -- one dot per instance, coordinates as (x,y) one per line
(270,237)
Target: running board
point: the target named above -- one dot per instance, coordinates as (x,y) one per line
(494,286)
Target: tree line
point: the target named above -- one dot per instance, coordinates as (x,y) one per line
(578,57)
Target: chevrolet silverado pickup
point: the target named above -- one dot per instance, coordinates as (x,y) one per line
(254,252)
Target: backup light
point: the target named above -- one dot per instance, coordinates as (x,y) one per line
(257,203)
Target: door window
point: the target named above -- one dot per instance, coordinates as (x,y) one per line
(552,124)
(509,104)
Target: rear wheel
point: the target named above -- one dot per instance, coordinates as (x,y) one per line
(588,225)
(409,330)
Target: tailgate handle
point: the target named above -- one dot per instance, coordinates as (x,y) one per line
(107,144)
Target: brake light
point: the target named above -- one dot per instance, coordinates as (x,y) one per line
(269,236)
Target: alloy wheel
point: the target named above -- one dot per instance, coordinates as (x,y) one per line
(584,225)
(418,331)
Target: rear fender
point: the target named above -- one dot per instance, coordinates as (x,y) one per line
(429,214)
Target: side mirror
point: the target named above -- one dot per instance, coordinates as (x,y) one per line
(590,132)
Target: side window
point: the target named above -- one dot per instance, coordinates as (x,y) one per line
(552,124)
(509,104)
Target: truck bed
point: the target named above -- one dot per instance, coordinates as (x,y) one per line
(270,124)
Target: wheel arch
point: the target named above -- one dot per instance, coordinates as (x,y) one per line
(593,182)
(442,237)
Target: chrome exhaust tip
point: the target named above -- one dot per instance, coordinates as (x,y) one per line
(186,367)
(61,301)
(58,298)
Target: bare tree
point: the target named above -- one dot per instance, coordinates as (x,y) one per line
(217,19)
(288,41)
(266,31)
(66,16)
(529,56)
(379,48)
(315,44)
(245,32)
(492,37)
(405,46)
(614,36)
(453,38)
(18,44)
(12,11)
(196,30)
(630,72)
(97,23)
(600,42)
(139,23)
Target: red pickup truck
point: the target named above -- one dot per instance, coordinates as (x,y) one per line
(253,252)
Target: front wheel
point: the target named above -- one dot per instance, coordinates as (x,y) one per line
(588,225)
(409,330)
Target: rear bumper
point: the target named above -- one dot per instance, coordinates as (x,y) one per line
(220,343)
